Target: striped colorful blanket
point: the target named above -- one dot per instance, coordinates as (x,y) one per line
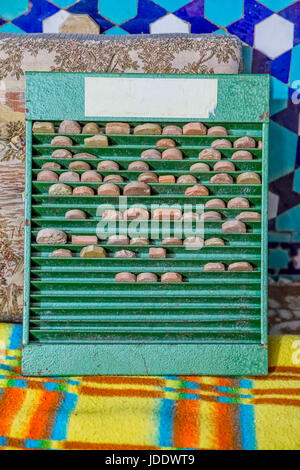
(150,412)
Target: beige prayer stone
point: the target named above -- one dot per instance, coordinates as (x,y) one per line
(83,191)
(171,277)
(125,277)
(109,189)
(148,178)
(221,144)
(259,144)
(214,267)
(214,241)
(91,128)
(112,214)
(147,129)
(61,153)
(137,189)
(136,213)
(93,251)
(190,216)
(217,130)
(51,166)
(84,155)
(221,178)
(224,165)
(69,127)
(249,216)
(79,166)
(186,179)
(234,226)
(171,241)
(197,190)
(60,189)
(117,128)
(75,214)
(69,176)
(242,155)
(91,176)
(118,240)
(151,154)
(51,236)
(244,142)
(138,166)
(125,254)
(165,143)
(166,179)
(61,141)
(172,154)
(108,165)
(210,215)
(210,154)
(240,266)
(113,179)
(238,203)
(139,241)
(194,128)
(215,204)
(195,242)
(166,214)
(98,140)
(61,253)
(47,175)
(84,240)
(172,130)
(248,178)
(200,167)
(43,127)
(147,277)
(157,252)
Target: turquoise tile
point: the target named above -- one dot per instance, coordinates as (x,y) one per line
(279,96)
(223,12)
(116,30)
(294,70)
(247,59)
(277,5)
(278,259)
(9,10)
(289,220)
(64,3)
(117,11)
(11,28)
(172,5)
(296,236)
(279,237)
(282,156)
(296,185)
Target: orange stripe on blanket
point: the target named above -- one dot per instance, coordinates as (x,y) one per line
(69,445)
(41,423)
(120,393)
(10,404)
(186,428)
(125,380)
(227,419)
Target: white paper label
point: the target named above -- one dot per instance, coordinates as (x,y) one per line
(150,97)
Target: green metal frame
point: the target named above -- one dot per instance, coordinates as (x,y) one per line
(242,102)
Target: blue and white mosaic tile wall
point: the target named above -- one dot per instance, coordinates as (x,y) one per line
(270,30)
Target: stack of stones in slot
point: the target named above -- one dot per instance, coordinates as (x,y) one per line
(87,174)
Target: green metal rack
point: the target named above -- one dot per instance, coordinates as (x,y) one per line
(77,319)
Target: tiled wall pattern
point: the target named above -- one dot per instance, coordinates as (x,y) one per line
(270,30)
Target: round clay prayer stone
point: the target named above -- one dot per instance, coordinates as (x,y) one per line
(171,277)
(61,253)
(194,128)
(172,154)
(51,236)
(221,178)
(91,128)
(147,277)
(186,179)
(172,130)
(157,252)
(93,251)
(136,213)
(240,266)
(84,155)
(171,241)
(217,130)
(125,254)
(151,154)
(83,191)
(108,165)
(215,267)
(61,153)
(194,242)
(51,166)
(79,166)
(69,127)
(125,277)
(140,241)
(75,214)
(117,128)
(61,141)
(118,240)
(214,241)
(210,215)
(147,129)
(47,175)
(96,141)
(249,216)
(244,142)
(197,190)
(109,189)
(221,144)
(165,143)
(166,179)
(91,176)
(166,214)
(190,216)
(200,167)
(138,166)
(43,127)
(137,189)
(234,226)
(210,154)
(112,214)
(242,155)
(215,204)
(224,165)
(69,176)
(248,178)
(238,203)
(60,189)
(113,179)
(148,178)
